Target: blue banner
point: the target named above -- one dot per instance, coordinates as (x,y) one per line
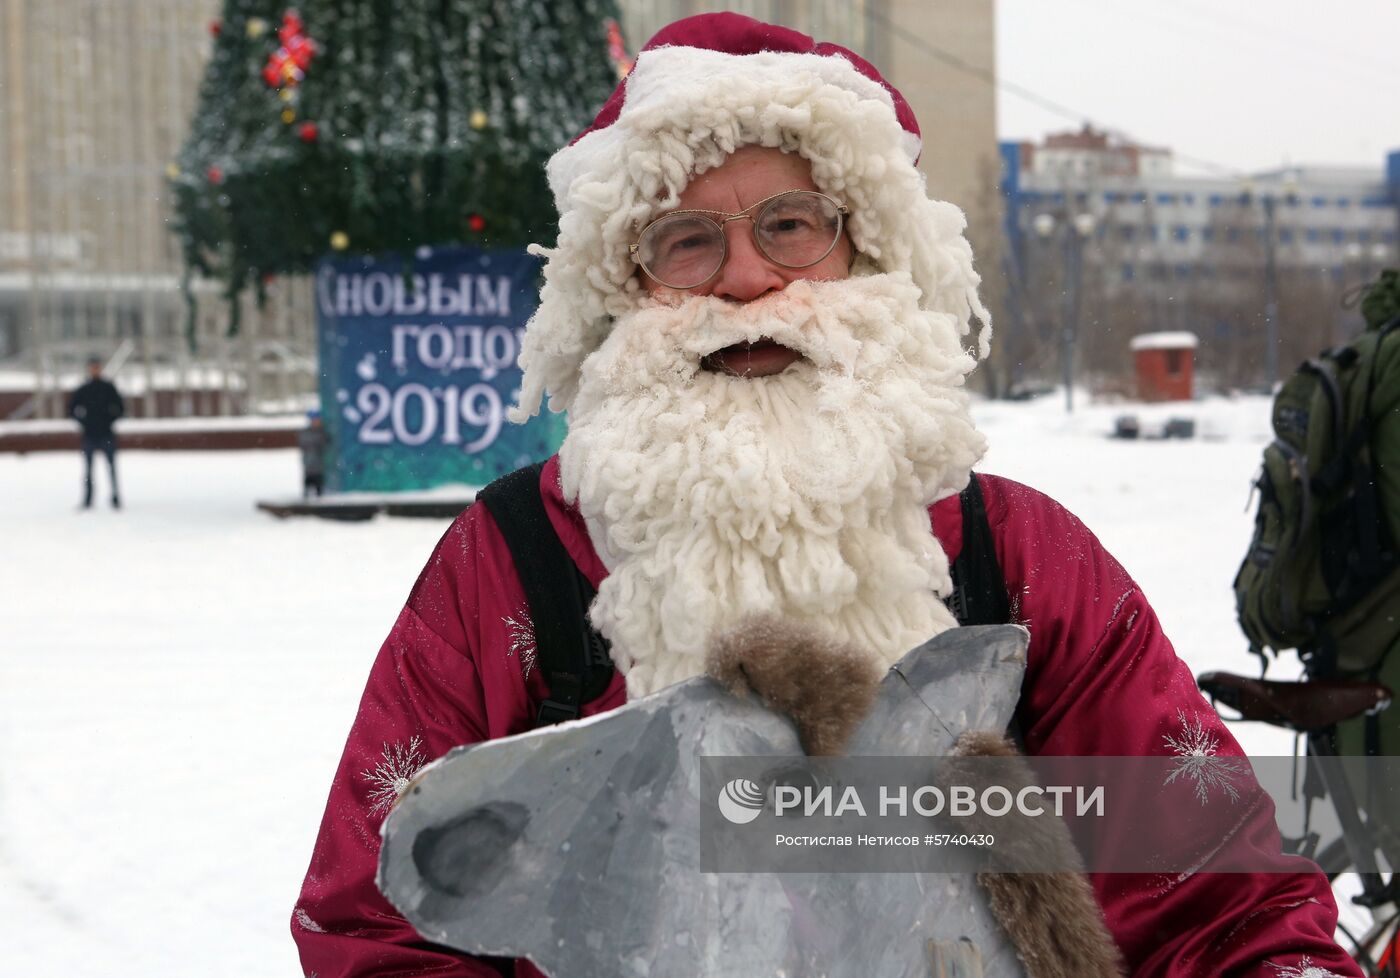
(418,367)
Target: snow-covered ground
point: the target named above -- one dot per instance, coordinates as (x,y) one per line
(176,679)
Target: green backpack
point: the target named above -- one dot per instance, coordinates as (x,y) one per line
(1322,574)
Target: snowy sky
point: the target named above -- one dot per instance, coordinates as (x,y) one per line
(1245,85)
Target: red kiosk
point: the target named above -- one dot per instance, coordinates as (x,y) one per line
(1164,364)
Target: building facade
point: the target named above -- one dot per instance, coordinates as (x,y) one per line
(94,105)
(1089,153)
(1106,238)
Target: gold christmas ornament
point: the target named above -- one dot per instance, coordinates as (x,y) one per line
(287,94)
(479,120)
(172,171)
(340,240)
(257,27)
(289,115)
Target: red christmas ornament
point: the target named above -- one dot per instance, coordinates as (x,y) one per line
(617,50)
(216,27)
(476,222)
(215,175)
(287,65)
(292,26)
(308,132)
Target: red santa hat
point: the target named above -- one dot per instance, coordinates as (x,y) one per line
(738,36)
(700,89)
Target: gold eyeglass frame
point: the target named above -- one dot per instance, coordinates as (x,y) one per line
(842,212)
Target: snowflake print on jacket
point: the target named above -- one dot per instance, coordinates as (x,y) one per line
(522,639)
(393,773)
(1303,969)
(1196,749)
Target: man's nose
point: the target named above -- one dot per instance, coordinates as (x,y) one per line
(747,274)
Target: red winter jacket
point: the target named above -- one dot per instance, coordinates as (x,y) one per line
(1101,679)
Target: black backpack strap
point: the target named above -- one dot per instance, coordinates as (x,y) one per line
(573,657)
(979,590)
(576,660)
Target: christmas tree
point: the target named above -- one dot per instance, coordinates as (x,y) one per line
(372,126)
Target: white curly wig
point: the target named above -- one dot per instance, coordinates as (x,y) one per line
(701,89)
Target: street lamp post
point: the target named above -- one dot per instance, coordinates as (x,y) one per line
(1270,292)
(1269,201)
(1079,227)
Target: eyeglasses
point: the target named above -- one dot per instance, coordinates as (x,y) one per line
(685,249)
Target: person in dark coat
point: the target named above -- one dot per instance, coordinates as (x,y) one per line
(313,441)
(96,405)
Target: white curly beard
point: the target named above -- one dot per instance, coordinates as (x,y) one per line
(712,497)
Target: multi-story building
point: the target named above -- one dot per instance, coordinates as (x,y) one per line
(1090,153)
(95,97)
(1106,237)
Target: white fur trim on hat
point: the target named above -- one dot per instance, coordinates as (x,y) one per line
(686,109)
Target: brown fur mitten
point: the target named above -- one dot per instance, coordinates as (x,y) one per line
(1051,917)
(824,687)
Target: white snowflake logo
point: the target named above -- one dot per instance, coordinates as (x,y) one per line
(307,923)
(393,773)
(1196,749)
(522,640)
(1303,969)
(1015,616)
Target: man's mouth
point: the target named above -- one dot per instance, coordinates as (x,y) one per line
(761,359)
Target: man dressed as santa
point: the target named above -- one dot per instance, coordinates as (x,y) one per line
(760,328)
